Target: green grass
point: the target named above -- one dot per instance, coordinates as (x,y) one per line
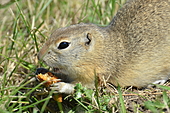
(25,25)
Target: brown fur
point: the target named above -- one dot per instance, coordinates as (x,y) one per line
(134,49)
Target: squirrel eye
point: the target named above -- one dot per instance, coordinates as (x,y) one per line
(63,45)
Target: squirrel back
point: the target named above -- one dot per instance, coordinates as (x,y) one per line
(142,35)
(133,49)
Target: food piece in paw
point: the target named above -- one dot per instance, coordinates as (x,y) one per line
(50,79)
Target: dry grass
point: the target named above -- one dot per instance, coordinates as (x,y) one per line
(24,27)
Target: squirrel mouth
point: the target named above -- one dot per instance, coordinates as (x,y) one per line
(56,70)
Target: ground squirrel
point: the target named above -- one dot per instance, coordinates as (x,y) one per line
(133,50)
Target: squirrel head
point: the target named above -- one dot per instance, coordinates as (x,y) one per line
(74,49)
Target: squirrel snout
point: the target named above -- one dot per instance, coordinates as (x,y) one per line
(39,56)
(44,50)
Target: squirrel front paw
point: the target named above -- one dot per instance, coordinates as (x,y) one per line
(62,87)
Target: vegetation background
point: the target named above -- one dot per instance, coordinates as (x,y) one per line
(25,25)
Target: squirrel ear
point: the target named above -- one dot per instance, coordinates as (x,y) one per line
(88,39)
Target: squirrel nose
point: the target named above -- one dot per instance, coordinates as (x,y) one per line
(44,50)
(41,54)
